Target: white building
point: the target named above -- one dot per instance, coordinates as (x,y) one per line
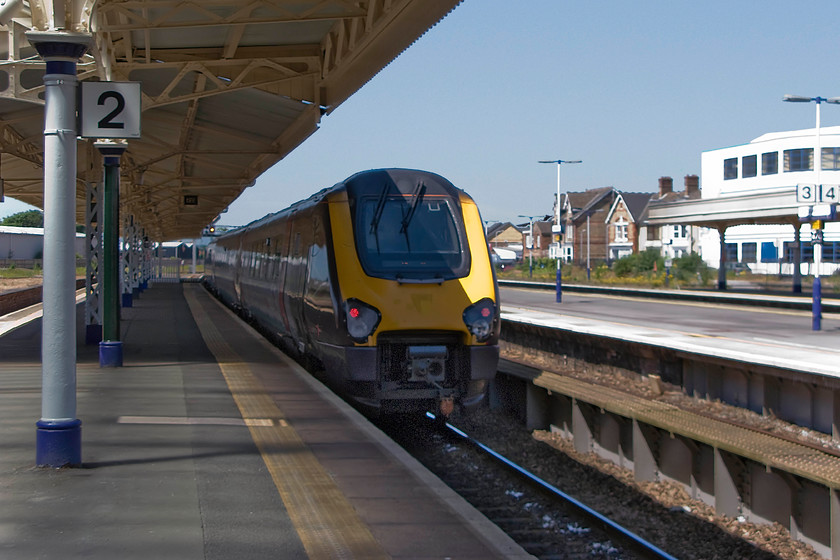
(25,243)
(770,168)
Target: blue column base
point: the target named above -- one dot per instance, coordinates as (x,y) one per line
(58,444)
(126,300)
(93,334)
(144,285)
(110,354)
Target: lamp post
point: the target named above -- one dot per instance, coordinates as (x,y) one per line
(531,245)
(816,226)
(559,281)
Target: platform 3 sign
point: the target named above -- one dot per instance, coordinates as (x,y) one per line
(110,110)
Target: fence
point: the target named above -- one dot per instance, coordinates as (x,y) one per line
(166,270)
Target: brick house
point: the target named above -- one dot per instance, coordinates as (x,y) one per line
(542,238)
(584,217)
(623,223)
(503,235)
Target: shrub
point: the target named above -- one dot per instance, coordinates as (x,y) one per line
(637,263)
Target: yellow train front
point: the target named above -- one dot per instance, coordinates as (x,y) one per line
(385,279)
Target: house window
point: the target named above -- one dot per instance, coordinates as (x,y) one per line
(621,231)
(652,233)
(801,159)
(730,168)
(748,166)
(831,158)
(769,163)
(680,232)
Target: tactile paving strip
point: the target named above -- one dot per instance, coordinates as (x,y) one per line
(786,456)
(325,521)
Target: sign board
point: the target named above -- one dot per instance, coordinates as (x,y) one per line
(110,110)
(810,193)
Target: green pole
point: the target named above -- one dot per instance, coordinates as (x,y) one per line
(110,349)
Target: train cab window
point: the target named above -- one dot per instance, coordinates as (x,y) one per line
(419,237)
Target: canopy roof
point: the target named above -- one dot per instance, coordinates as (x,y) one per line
(228,89)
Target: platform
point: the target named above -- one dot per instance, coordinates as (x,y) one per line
(210,443)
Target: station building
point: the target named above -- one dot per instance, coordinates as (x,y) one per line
(774,164)
(748,211)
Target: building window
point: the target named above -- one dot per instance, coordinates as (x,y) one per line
(731,252)
(749,252)
(831,158)
(801,159)
(730,168)
(770,163)
(748,166)
(680,232)
(652,233)
(769,252)
(621,231)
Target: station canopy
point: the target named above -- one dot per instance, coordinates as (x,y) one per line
(229,88)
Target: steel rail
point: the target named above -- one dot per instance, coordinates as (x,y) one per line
(609,526)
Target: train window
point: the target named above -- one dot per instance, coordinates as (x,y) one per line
(411,236)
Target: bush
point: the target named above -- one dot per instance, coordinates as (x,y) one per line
(691,267)
(638,263)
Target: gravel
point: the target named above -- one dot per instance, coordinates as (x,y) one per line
(671,497)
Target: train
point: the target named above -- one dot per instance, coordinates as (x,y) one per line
(382,282)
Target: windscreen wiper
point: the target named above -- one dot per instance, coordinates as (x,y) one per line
(380,206)
(419,191)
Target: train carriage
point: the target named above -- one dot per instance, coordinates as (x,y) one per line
(384,278)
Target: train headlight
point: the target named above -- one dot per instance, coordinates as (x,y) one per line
(362,319)
(480,318)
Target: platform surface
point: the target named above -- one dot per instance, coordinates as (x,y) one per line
(210,444)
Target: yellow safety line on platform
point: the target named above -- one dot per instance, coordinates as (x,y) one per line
(316,506)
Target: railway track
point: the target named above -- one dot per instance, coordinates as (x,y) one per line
(531,517)
(617,533)
(514,486)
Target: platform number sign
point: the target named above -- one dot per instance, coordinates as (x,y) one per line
(110,110)
(810,193)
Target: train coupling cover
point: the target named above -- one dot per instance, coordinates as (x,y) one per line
(427,363)
(446,405)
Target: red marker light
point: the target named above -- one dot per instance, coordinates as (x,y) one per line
(354,312)
(485,312)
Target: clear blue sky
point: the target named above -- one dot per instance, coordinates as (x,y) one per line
(636,90)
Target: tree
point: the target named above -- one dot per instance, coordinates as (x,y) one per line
(30,218)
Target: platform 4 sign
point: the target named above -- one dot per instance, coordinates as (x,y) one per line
(110,110)
(810,193)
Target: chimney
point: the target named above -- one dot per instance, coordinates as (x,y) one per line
(692,186)
(666,185)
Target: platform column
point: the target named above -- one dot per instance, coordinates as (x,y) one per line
(93,260)
(59,432)
(797,259)
(146,252)
(125,262)
(110,349)
(722,263)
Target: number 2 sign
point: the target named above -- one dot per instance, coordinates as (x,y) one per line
(110,110)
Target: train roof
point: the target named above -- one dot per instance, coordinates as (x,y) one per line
(403,181)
